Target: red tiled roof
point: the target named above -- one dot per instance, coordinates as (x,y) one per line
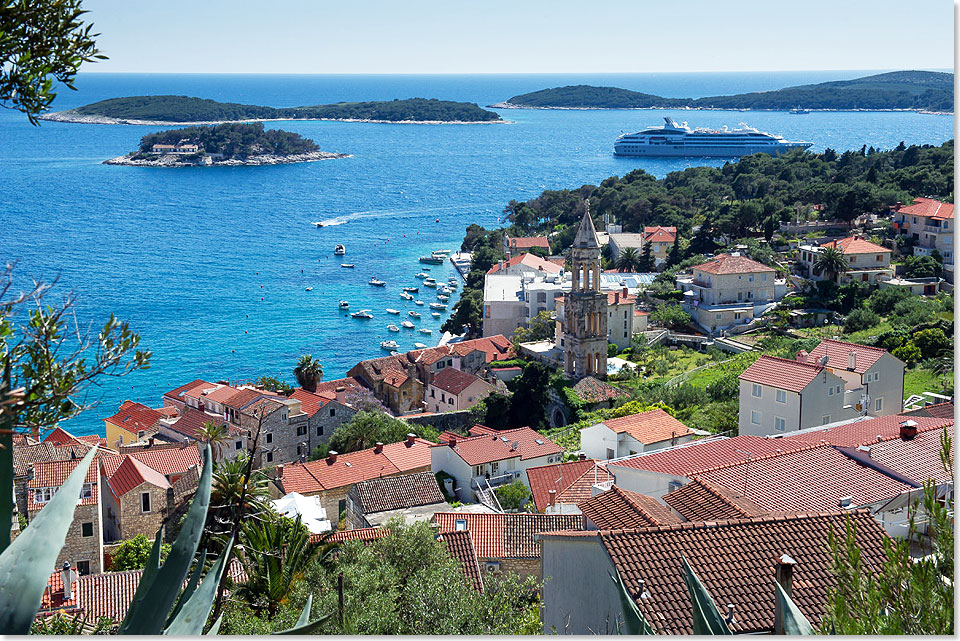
(781,373)
(25,456)
(529,260)
(54,474)
(60,436)
(245,397)
(619,298)
(652,426)
(453,381)
(178,393)
(917,459)
(221,394)
(564,477)
(331,386)
(519,443)
(132,473)
(735,561)
(135,417)
(937,410)
(928,207)
(701,500)
(309,401)
(495,348)
(865,432)
(398,492)
(727,264)
(169,461)
(407,456)
(855,245)
(618,508)
(93,439)
(460,547)
(366,534)
(192,420)
(837,353)
(660,234)
(528,242)
(700,455)
(498,536)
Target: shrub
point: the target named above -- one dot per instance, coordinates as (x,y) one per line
(860,319)
(884,300)
(908,353)
(134,553)
(513,496)
(931,342)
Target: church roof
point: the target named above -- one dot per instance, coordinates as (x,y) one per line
(586,234)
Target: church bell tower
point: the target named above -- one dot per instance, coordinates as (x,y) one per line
(585,307)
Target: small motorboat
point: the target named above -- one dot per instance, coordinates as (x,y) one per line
(347,265)
(443,289)
(344,304)
(418,302)
(390,346)
(420,346)
(318,225)
(443,297)
(392,328)
(435,314)
(363,313)
(413,313)
(393,311)
(407,324)
(309,289)
(339,250)
(406,296)
(452,284)
(422,275)
(437,306)
(411,289)
(432,260)
(376,282)
(430,283)
(425,330)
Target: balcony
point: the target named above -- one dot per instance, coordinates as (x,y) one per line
(481,482)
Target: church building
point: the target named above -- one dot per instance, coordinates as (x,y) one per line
(585,307)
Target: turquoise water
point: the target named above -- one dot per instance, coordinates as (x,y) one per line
(210,265)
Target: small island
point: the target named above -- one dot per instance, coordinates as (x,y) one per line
(923,91)
(226,144)
(182,110)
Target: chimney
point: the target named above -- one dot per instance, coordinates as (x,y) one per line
(908,429)
(802,356)
(69,576)
(582,456)
(845,501)
(150,442)
(616,298)
(341,394)
(553,498)
(852,361)
(897,206)
(453,441)
(332,456)
(785,579)
(378,448)
(624,293)
(410,438)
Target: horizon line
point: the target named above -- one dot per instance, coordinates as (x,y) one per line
(499,73)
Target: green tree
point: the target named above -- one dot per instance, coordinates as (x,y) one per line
(367,428)
(497,411)
(646,264)
(628,260)
(932,342)
(216,434)
(513,497)
(671,316)
(541,327)
(675,255)
(467,316)
(308,372)
(921,267)
(134,553)
(908,353)
(885,299)
(831,262)
(41,41)
(275,385)
(530,396)
(860,319)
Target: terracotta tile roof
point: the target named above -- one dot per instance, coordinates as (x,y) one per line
(135,417)
(460,547)
(928,207)
(856,245)
(781,373)
(349,469)
(199,390)
(453,381)
(221,394)
(809,480)
(25,456)
(864,432)
(192,420)
(366,534)
(735,561)
(936,410)
(349,383)
(618,298)
(653,426)
(398,492)
(496,348)
(54,474)
(309,401)
(177,394)
(917,459)
(170,461)
(727,264)
(245,397)
(500,536)
(93,439)
(701,500)
(618,508)
(60,436)
(593,391)
(522,443)
(704,454)
(528,242)
(837,353)
(131,473)
(660,234)
(528,260)
(572,481)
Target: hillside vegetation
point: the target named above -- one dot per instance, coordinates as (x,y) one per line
(919,90)
(186,109)
(234,140)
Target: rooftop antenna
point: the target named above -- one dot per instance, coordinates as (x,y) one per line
(746,470)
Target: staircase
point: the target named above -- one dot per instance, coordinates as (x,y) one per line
(486,496)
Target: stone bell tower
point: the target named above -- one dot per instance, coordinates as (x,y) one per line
(585,307)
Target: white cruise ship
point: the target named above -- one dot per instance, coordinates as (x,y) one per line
(679,140)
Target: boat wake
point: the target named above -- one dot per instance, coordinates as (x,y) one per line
(329,223)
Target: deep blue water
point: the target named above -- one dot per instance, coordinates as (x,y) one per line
(210,265)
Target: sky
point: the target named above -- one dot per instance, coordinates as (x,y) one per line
(528,36)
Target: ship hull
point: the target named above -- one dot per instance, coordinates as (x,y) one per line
(703,151)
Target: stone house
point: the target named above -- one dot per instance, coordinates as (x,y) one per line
(930,223)
(26,455)
(866,262)
(133,422)
(598,394)
(452,390)
(729,290)
(512,301)
(412,497)
(326,411)
(506,542)
(621,318)
(633,434)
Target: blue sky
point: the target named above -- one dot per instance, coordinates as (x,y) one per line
(558,36)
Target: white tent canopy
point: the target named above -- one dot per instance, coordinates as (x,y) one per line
(311,513)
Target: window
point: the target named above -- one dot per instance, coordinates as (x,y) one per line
(878,405)
(755,417)
(830,390)
(333,411)
(719,316)
(779,424)
(86,529)
(460,525)
(450,401)
(43,494)
(238,444)
(609,453)
(757,390)
(83,567)
(825,419)
(145,502)
(433,393)
(781,396)
(876,376)
(674,485)
(319,430)
(879,258)
(269,457)
(302,430)
(87,491)
(283,416)
(269,437)
(341,506)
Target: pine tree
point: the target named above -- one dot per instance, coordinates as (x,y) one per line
(646,262)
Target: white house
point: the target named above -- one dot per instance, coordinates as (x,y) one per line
(510,302)
(621,308)
(489,457)
(873,376)
(930,223)
(866,262)
(633,434)
(525,264)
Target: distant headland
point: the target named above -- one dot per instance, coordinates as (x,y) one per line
(225,144)
(923,91)
(182,110)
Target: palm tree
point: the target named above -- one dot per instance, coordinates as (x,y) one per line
(628,260)
(216,434)
(831,262)
(227,486)
(308,372)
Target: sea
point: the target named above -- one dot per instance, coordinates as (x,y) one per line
(211,266)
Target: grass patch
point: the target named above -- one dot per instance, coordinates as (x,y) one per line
(919,380)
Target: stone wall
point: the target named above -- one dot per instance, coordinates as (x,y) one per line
(521,567)
(133,520)
(456,421)
(78,547)
(325,420)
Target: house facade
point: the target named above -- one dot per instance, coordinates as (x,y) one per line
(132,423)
(452,390)
(866,262)
(930,224)
(729,290)
(661,241)
(873,376)
(621,318)
(633,434)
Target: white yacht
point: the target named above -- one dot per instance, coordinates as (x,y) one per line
(680,140)
(390,346)
(339,250)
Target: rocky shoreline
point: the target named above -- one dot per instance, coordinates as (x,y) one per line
(510,105)
(172,160)
(73,117)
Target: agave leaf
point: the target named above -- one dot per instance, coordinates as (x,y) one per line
(195,611)
(6,459)
(304,625)
(793,620)
(706,617)
(215,628)
(153,564)
(151,604)
(191,586)
(633,619)
(25,565)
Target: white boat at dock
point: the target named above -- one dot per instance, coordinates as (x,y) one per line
(407,324)
(376,282)
(425,330)
(422,275)
(437,306)
(363,313)
(414,314)
(443,297)
(418,302)
(435,314)
(420,346)
(393,311)
(392,328)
